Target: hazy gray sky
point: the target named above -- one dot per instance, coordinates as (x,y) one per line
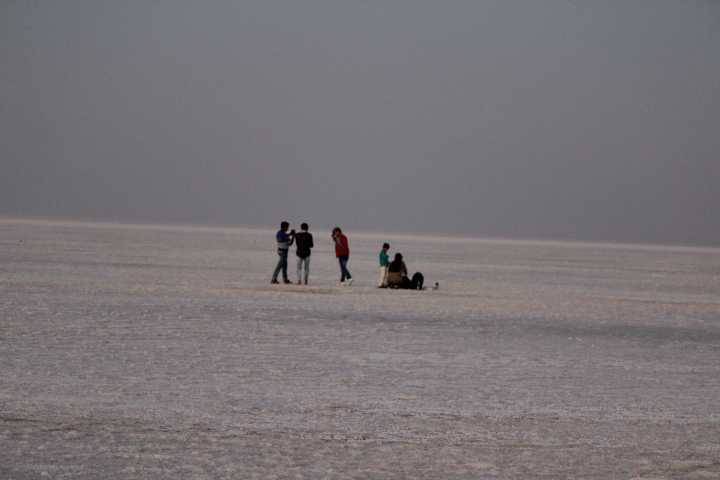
(551,119)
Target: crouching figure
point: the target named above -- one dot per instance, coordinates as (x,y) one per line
(397,276)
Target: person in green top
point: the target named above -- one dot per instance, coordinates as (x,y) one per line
(384,262)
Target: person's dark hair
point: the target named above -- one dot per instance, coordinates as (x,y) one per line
(284,225)
(386,245)
(304,226)
(396,264)
(337,229)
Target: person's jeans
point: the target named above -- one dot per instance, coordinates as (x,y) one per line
(282,264)
(300,262)
(343,259)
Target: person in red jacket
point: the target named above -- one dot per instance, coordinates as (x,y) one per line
(342,252)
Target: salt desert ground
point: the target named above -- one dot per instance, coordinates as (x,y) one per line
(163,352)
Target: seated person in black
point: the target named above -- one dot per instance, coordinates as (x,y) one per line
(397,275)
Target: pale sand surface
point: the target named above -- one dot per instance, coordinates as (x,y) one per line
(135,352)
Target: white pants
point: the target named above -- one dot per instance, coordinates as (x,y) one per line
(383,276)
(300,262)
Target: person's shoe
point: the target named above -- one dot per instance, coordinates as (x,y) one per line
(299,282)
(341,282)
(305,282)
(382,286)
(286,281)
(349,281)
(274,281)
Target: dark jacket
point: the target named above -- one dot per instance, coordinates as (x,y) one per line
(304,242)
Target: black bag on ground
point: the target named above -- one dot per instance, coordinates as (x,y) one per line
(417,281)
(415,284)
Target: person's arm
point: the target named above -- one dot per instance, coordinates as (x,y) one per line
(339,242)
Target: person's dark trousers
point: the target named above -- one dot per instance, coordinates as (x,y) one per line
(343,259)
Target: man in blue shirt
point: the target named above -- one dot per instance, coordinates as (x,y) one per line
(284,240)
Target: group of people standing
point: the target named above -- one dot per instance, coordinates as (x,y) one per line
(392,274)
(304,242)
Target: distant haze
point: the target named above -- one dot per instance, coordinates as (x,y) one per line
(552,119)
